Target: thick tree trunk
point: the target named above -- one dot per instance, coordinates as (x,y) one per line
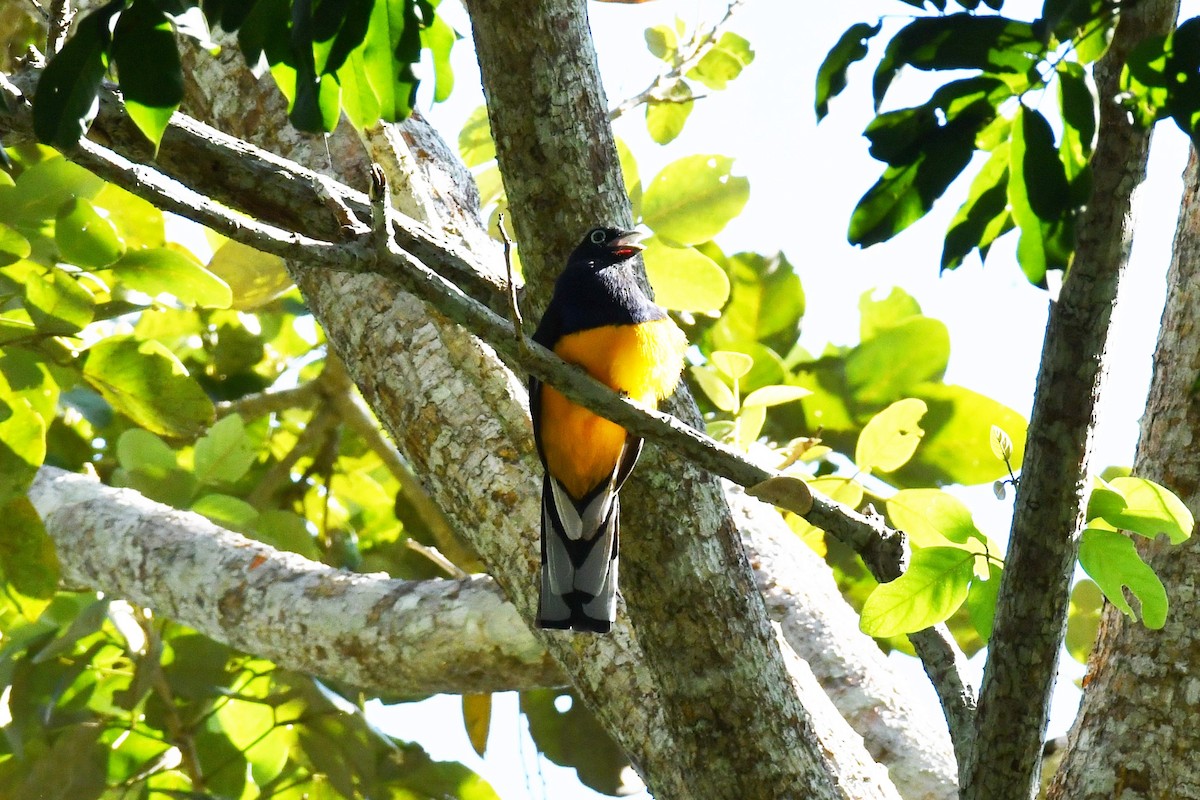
(1031,613)
(1139,725)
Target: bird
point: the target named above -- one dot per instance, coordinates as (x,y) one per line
(599,319)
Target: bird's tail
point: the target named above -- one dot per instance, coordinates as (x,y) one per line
(579,559)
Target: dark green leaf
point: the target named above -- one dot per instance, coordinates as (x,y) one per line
(147,383)
(339,27)
(959,41)
(1079,129)
(831,76)
(49,777)
(148,67)
(1112,561)
(1040,198)
(983,216)
(67,92)
(27,556)
(573,738)
(981,601)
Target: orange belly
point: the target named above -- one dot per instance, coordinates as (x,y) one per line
(641,361)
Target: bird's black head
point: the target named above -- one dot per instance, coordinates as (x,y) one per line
(603,247)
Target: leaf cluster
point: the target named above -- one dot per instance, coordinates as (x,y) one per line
(326,56)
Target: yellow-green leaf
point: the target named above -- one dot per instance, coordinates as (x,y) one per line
(692,200)
(684,279)
(891,437)
(930,590)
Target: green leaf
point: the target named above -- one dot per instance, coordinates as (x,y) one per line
(13,246)
(285,530)
(662,42)
(391,46)
(957,447)
(164,270)
(57,303)
(27,557)
(878,315)
(148,67)
(891,437)
(475,144)
(665,117)
(439,38)
(1040,198)
(926,148)
(931,517)
(1148,509)
(225,453)
(750,421)
(889,364)
(775,395)
(66,101)
(831,76)
(733,365)
(227,511)
(1083,619)
(930,590)
(723,62)
(629,172)
(84,237)
(141,451)
(766,304)
(358,98)
(959,41)
(147,383)
(1113,563)
(981,601)
(984,216)
(683,278)
(22,446)
(138,222)
(715,388)
(573,738)
(692,200)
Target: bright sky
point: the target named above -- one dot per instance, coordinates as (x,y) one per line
(804,182)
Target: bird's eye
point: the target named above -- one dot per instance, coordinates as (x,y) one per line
(597,236)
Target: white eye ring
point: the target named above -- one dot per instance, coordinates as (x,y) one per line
(597,236)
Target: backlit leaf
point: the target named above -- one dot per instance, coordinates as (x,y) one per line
(164,270)
(692,200)
(1113,563)
(831,76)
(891,437)
(1083,619)
(683,278)
(224,453)
(58,303)
(27,556)
(930,590)
(931,517)
(147,383)
(84,237)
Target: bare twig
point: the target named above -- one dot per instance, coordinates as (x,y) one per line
(253,406)
(690,54)
(60,16)
(514,306)
(431,553)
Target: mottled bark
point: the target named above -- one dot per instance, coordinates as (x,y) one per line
(688,587)
(1031,611)
(1139,724)
(390,636)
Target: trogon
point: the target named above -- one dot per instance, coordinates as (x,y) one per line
(600,319)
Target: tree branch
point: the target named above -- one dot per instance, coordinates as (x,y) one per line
(395,637)
(1031,611)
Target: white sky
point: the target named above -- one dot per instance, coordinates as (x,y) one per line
(804,182)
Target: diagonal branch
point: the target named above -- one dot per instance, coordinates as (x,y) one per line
(392,636)
(881,547)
